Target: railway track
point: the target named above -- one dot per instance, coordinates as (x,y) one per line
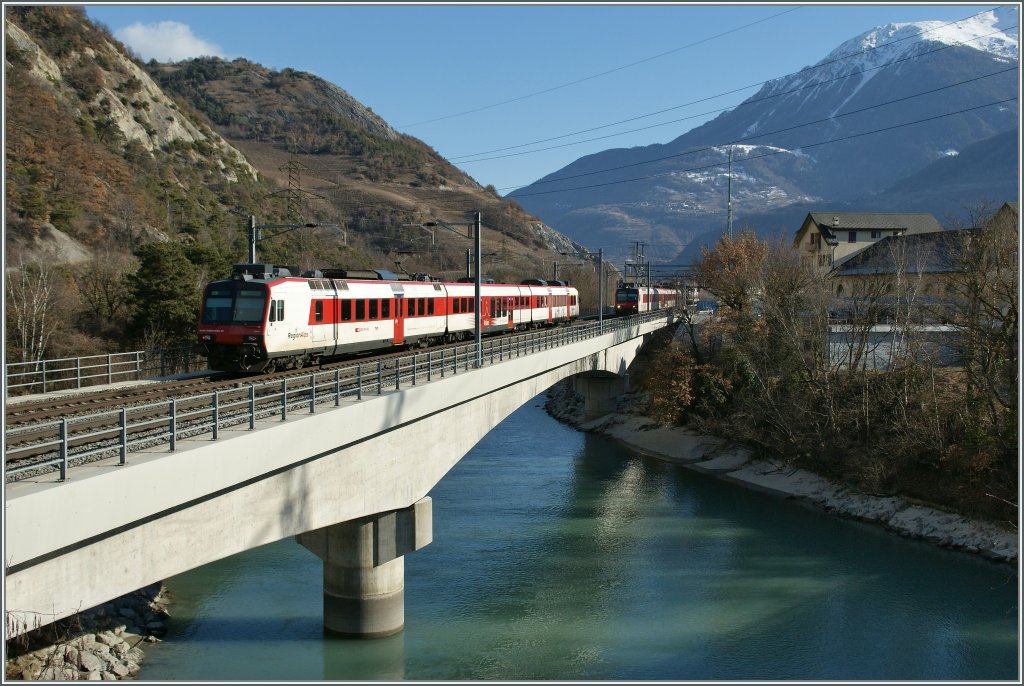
(54,406)
(55,433)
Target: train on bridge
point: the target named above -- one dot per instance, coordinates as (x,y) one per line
(631,298)
(262,318)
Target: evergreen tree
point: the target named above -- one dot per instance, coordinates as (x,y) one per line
(165,294)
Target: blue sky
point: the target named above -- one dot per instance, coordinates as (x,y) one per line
(472,78)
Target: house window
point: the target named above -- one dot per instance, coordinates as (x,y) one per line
(853,237)
(876,234)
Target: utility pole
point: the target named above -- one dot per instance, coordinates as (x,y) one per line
(728,220)
(479,342)
(600,290)
(255,235)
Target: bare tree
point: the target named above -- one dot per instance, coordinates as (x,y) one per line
(102,285)
(985,309)
(32,294)
(729,270)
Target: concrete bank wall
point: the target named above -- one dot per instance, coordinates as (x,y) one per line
(110,530)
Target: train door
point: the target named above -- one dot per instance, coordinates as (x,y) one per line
(510,306)
(399,317)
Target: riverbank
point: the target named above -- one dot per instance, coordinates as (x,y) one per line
(717,457)
(103,643)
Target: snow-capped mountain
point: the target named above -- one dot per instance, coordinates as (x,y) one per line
(876,109)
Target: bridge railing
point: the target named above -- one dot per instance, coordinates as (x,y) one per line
(117,433)
(45,376)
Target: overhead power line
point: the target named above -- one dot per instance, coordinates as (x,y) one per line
(594,76)
(464,159)
(775,152)
(769,133)
(694,116)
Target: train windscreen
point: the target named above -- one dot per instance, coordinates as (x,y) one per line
(625,295)
(234,304)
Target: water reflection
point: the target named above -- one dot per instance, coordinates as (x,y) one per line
(562,556)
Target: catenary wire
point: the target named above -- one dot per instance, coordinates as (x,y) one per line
(769,133)
(702,114)
(594,76)
(463,158)
(775,152)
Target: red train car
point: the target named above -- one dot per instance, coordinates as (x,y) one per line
(634,298)
(264,318)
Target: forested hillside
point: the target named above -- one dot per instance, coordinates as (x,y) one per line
(129,186)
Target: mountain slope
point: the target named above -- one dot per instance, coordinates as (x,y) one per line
(816,127)
(337,161)
(97,152)
(948,188)
(105,154)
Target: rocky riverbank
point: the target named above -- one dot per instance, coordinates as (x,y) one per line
(100,644)
(715,456)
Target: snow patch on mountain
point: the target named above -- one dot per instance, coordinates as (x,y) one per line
(863,55)
(988,31)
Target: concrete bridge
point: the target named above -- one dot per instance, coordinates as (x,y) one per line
(351,482)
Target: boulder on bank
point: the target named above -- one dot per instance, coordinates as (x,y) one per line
(99,644)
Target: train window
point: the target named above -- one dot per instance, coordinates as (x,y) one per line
(318,310)
(410,310)
(430,306)
(373,309)
(280,310)
(217,307)
(385,308)
(249,306)
(421,307)
(360,310)
(456,305)
(346,310)
(273,311)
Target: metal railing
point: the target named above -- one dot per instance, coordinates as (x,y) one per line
(46,376)
(117,433)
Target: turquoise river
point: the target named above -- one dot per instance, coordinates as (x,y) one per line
(564,556)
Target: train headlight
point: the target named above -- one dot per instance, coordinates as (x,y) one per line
(206,337)
(251,339)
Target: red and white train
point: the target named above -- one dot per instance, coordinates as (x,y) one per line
(263,318)
(634,298)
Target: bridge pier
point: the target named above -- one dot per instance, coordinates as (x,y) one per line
(600,392)
(364,568)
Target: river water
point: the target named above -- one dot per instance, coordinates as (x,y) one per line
(563,556)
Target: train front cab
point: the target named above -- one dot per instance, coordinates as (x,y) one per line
(231,325)
(627,301)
